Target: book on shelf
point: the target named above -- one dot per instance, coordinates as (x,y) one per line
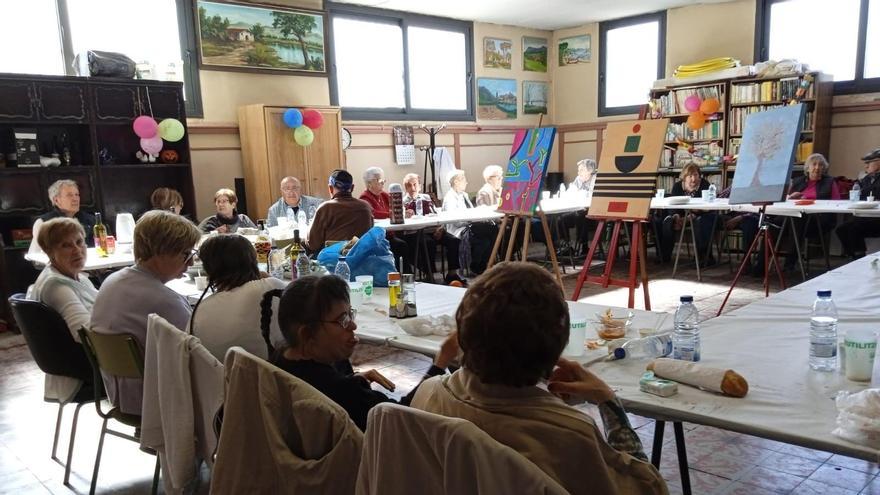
(738,116)
(712,129)
(804,150)
(769,91)
(673,102)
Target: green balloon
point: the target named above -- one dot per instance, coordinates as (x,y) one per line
(303,136)
(171,130)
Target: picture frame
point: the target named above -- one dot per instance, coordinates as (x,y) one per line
(534,54)
(535,97)
(575,50)
(252,37)
(496,98)
(497,53)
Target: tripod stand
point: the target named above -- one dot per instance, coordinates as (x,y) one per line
(766,237)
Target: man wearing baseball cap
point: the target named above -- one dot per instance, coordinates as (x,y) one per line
(342,217)
(853,232)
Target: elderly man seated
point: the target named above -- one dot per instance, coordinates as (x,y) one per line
(342,217)
(293,201)
(380,202)
(64,195)
(411,199)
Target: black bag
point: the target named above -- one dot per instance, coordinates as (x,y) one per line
(106,64)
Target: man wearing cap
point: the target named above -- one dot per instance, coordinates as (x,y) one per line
(292,200)
(853,232)
(342,217)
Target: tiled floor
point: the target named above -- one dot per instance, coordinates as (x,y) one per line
(720,462)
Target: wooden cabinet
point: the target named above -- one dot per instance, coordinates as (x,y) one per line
(270,154)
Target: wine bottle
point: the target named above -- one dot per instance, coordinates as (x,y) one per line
(100,232)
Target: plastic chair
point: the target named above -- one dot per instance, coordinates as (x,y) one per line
(117,356)
(56,353)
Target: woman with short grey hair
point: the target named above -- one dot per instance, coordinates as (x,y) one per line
(490,193)
(586,176)
(373,173)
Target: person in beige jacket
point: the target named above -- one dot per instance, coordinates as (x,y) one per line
(513,324)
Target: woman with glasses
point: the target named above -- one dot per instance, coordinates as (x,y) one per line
(227,220)
(318,323)
(163,251)
(230,316)
(380,203)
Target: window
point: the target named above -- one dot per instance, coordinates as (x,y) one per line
(390,65)
(632,55)
(850,51)
(164,52)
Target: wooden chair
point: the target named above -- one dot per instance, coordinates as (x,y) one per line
(117,356)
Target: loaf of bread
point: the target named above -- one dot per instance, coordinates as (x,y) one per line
(727,382)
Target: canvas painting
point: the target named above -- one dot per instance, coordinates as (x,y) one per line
(575,50)
(627,174)
(524,175)
(536,96)
(249,37)
(497,53)
(766,155)
(534,54)
(496,98)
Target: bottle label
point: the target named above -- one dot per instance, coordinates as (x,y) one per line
(686,354)
(822,350)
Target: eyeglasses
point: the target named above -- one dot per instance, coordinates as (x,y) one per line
(380,181)
(345,320)
(188,256)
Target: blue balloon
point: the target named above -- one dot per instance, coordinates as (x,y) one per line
(293,118)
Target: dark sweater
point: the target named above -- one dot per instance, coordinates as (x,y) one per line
(342,386)
(823,186)
(87,220)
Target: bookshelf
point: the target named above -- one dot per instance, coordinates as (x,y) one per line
(722,133)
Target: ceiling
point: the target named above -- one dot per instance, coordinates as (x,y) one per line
(538,14)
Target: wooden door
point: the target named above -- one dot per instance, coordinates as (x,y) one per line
(285,156)
(325,153)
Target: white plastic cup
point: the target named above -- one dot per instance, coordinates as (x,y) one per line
(704,195)
(356,294)
(854,195)
(860,346)
(367,282)
(201,282)
(545,194)
(577,337)
(661,193)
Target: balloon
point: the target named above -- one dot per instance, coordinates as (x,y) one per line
(293,118)
(710,106)
(312,119)
(692,103)
(696,120)
(145,127)
(171,130)
(152,145)
(303,136)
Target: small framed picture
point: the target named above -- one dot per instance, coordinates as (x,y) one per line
(534,54)
(575,50)
(497,53)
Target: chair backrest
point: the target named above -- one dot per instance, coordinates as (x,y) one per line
(49,339)
(115,354)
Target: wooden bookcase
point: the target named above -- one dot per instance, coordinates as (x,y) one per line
(92,117)
(722,134)
(270,154)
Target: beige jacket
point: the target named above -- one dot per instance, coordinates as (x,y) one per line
(280,435)
(441,455)
(564,442)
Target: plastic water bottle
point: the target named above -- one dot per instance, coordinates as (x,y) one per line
(686,335)
(418,211)
(312,211)
(653,346)
(291,219)
(823,333)
(301,218)
(855,193)
(561,190)
(342,270)
(713,192)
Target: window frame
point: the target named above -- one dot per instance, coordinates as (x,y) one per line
(604,27)
(859,84)
(404,20)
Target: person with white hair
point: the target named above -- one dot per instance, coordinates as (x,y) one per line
(586,176)
(457,199)
(380,203)
(411,199)
(490,193)
(292,200)
(585,180)
(64,195)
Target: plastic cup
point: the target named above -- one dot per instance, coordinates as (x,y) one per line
(356,294)
(854,195)
(860,347)
(367,282)
(576,338)
(661,193)
(545,194)
(704,195)
(201,283)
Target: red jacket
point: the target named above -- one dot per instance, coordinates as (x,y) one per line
(380,203)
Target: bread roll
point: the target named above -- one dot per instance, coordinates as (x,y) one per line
(727,382)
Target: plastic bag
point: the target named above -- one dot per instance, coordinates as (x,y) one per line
(422,326)
(104,64)
(371,255)
(858,419)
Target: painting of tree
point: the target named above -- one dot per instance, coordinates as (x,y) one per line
(299,26)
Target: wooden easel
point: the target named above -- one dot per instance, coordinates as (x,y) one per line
(637,256)
(527,219)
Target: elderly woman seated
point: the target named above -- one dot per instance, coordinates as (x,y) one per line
(163,250)
(228,219)
(513,324)
(166,198)
(380,202)
(317,321)
(231,317)
(668,222)
(814,184)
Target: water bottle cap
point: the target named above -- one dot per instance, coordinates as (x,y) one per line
(823,293)
(686,299)
(619,353)
(341,258)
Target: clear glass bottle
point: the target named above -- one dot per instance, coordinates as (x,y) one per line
(406,304)
(823,333)
(686,333)
(418,202)
(301,264)
(100,234)
(393,293)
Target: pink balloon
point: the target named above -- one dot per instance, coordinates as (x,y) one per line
(692,103)
(152,145)
(145,127)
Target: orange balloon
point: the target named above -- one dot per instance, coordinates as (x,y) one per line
(710,106)
(696,120)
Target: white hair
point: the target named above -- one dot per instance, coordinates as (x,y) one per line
(491,170)
(588,164)
(372,173)
(818,159)
(55,188)
(410,177)
(454,175)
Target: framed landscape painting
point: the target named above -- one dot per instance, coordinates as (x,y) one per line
(496,98)
(497,53)
(536,96)
(253,37)
(575,50)
(534,54)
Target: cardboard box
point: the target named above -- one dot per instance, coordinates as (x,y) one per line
(26,147)
(22,237)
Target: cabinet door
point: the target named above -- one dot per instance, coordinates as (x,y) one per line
(167,102)
(285,156)
(61,101)
(16,100)
(115,102)
(23,191)
(325,153)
